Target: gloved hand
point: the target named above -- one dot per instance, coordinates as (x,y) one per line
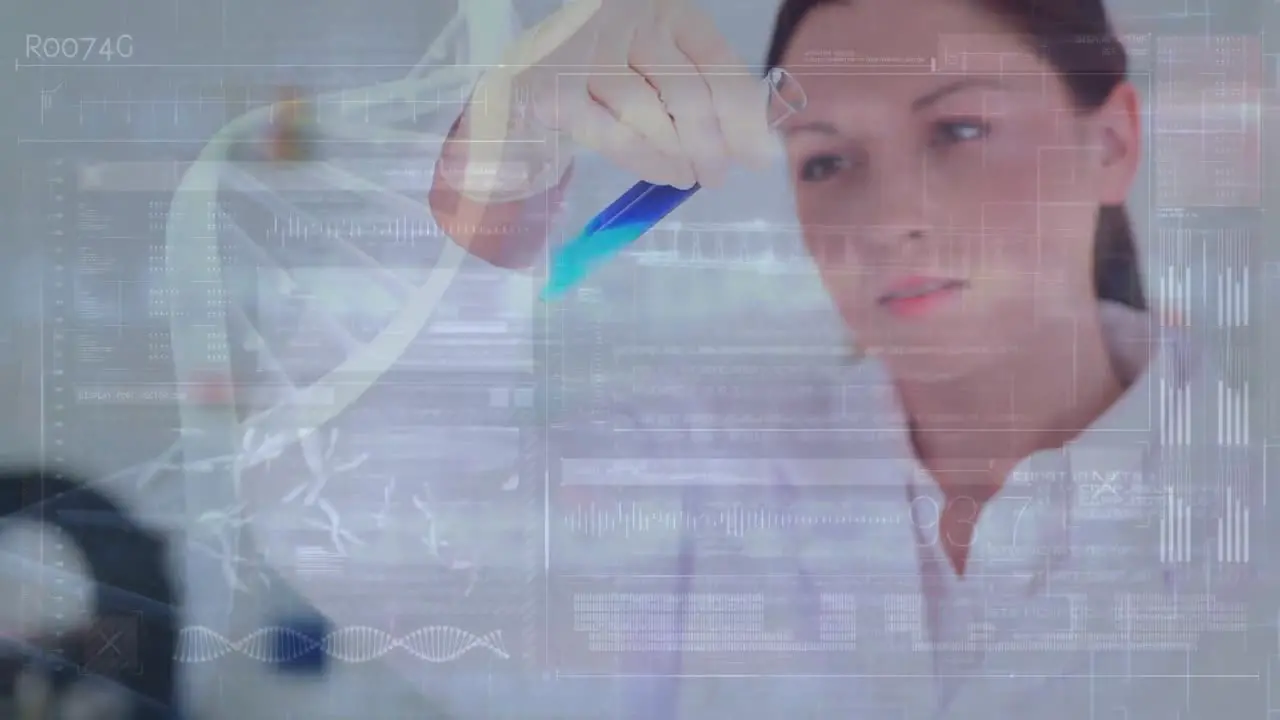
(650,84)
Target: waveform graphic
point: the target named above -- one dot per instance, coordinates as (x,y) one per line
(1175,531)
(399,228)
(1233,532)
(312,560)
(735,521)
(91,220)
(1175,414)
(1233,298)
(357,644)
(1233,415)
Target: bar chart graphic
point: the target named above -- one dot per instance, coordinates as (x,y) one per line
(1175,290)
(1233,298)
(1175,414)
(1175,530)
(1233,531)
(1233,414)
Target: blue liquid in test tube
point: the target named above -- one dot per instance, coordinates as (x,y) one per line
(643,206)
(622,223)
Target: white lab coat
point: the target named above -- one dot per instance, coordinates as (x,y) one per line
(1076,574)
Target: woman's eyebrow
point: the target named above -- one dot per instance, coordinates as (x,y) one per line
(954,87)
(820,127)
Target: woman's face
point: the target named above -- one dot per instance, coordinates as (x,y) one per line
(947,209)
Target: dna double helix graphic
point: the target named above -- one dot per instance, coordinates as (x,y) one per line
(476,38)
(356,644)
(484,29)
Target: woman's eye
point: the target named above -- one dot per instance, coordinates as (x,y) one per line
(950,133)
(820,168)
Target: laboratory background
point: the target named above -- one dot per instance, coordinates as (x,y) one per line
(159,232)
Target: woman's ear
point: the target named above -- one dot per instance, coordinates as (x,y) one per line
(1119,125)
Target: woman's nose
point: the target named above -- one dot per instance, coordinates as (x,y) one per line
(904,208)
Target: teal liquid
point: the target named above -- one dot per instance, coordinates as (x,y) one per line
(585,253)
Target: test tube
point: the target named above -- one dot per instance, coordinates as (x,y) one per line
(642,206)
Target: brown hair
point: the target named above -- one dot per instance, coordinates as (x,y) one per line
(1076,38)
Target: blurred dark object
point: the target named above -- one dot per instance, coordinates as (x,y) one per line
(130,644)
(300,645)
(292,128)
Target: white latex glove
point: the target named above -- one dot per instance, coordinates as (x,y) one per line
(650,84)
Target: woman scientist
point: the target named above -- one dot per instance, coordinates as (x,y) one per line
(967,222)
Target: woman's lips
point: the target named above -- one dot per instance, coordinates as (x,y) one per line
(918,295)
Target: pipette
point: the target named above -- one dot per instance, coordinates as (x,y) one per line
(645,204)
